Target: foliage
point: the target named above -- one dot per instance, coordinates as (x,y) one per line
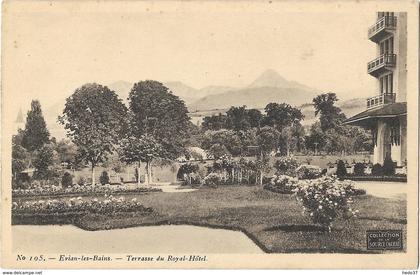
(268,140)
(36,133)
(326,199)
(43,162)
(104,178)
(222,142)
(281,115)
(67,153)
(359,169)
(186,169)
(237,118)
(341,169)
(377,170)
(214,123)
(95,119)
(67,180)
(213,180)
(82,181)
(144,148)
(286,166)
(20,158)
(389,166)
(282,184)
(157,112)
(330,116)
(109,205)
(308,172)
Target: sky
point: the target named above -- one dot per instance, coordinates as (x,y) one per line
(53,50)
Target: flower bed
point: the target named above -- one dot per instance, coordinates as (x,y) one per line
(52,190)
(77,206)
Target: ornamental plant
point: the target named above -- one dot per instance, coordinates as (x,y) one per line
(106,205)
(341,169)
(282,184)
(326,199)
(286,166)
(213,180)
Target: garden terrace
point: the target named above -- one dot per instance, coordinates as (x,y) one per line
(273,221)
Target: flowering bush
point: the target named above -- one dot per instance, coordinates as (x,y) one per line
(286,166)
(213,180)
(108,205)
(282,184)
(326,198)
(38,190)
(306,172)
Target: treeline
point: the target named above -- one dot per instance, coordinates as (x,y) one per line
(279,130)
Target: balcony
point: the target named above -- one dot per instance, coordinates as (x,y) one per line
(384,62)
(383,27)
(380,100)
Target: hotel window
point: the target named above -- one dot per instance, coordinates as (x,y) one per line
(386,84)
(387,46)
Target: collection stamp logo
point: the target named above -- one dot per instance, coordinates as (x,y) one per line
(384,239)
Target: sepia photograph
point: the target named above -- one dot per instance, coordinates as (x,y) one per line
(204,134)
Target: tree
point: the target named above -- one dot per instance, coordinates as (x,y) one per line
(268,139)
(43,161)
(141,149)
(36,133)
(215,122)
(222,140)
(95,120)
(237,118)
(282,115)
(316,139)
(255,117)
(157,112)
(330,115)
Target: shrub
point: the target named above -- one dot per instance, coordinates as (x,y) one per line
(308,172)
(377,170)
(104,178)
(282,184)
(341,169)
(359,169)
(389,167)
(82,181)
(186,169)
(213,180)
(326,199)
(286,166)
(67,180)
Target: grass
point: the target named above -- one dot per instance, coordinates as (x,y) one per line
(273,221)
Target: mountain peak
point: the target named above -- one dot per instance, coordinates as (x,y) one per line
(270,78)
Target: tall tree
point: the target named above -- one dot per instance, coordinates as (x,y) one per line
(95,120)
(282,115)
(159,113)
(237,118)
(255,117)
(330,115)
(36,133)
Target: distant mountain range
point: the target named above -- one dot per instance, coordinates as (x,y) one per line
(268,87)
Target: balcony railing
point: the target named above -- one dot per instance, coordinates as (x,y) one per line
(380,100)
(384,24)
(384,61)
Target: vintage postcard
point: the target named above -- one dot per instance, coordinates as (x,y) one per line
(209,134)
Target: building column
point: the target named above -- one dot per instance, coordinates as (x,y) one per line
(378,149)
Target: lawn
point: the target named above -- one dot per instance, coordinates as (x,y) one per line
(273,221)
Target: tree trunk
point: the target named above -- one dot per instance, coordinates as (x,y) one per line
(138,174)
(93,175)
(149,173)
(261,178)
